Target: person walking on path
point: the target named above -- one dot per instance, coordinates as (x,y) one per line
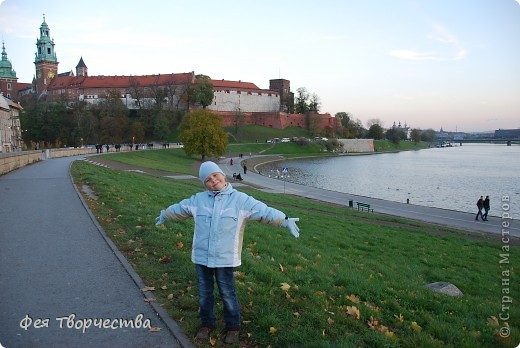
(486,208)
(245,168)
(480,205)
(221,213)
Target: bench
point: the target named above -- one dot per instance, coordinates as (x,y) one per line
(363,206)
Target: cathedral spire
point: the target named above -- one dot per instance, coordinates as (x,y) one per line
(45,59)
(81,68)
(6,68)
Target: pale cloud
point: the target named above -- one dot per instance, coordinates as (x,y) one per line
(518,2)
(440,35)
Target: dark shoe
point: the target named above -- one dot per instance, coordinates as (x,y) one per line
(203,333)
(232,337)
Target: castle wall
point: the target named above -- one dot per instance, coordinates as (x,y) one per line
(357,145)
(245,101)
(278,120)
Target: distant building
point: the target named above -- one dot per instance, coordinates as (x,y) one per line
(10,132)
(510,134)
(271,107)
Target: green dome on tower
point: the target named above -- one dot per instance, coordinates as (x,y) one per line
(6,68)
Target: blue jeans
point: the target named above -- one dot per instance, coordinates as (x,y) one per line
(226,286)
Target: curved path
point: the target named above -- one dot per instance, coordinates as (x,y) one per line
(455,219)
(58,270)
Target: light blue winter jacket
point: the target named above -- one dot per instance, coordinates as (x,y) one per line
(220,218)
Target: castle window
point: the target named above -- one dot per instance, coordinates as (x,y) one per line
(48,50)
(239,92)
(8,86)
(227,91)
(249,93)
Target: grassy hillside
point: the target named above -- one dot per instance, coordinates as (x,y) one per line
(351,280)
(253,134)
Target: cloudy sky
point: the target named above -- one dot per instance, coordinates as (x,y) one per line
(429,63)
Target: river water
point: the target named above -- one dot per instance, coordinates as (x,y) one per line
(451,178)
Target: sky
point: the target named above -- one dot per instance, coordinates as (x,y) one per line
(427,63)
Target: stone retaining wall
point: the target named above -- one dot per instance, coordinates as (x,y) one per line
(357,145)
(14,160)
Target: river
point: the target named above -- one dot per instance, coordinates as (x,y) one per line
(451,178)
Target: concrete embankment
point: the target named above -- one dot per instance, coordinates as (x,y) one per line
(14,160)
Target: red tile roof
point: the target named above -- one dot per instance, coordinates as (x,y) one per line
(63,82)
(233,84)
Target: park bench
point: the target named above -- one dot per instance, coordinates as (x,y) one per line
(363,206)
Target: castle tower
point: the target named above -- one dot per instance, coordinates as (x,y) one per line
(8,79)
(283,87)
(45,61)
(81,68)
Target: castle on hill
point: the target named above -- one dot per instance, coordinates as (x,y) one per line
(271,107)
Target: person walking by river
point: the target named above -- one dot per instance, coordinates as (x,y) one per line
(245,168)
(480,205)
(486,208)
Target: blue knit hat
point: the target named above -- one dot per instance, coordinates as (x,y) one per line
(208,168)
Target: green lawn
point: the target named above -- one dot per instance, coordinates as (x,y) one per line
(350,280)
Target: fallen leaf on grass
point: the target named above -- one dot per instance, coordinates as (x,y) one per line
(212,341)
(170,297)
(330,321)
(285,286)
(353,298)
(281,268)
(179,245)
(165,259)
(164,287)
(493,321)
(272,330)
(415,326)
(353,311)
(296,314)
(149,300)
(148,288)
(373,322)
(389,334)
(400,317)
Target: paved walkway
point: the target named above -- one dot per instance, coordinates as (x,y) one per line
(444,217)
(62,282)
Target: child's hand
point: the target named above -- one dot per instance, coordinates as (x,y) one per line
(290,223)
(161,218)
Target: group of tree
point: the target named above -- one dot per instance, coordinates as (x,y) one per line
(65,123)
(354,129)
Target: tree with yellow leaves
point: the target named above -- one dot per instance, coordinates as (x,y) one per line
(201,133)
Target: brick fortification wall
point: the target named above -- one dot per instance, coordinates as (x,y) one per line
(278,120)
(14,160)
